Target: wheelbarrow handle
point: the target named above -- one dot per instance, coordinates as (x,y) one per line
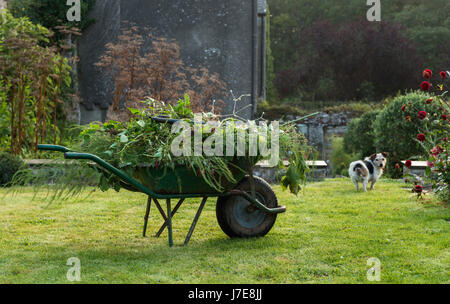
(110,168)
(53,148)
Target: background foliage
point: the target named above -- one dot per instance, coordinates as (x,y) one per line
(414,33)
(360,135)
(50,13)
(340,159)
(32,76)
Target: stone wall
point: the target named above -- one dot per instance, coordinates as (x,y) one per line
(273,175)
(222,36)
(3,4)
(321,128)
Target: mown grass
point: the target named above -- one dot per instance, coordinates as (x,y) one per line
(326,236)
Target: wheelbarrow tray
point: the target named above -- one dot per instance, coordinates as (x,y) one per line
(184,180)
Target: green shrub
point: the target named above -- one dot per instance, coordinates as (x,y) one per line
(360,136)
(51,13)
(367,91)
(354,109)
(395,134)
(9,165)
(340,160)
(278,111)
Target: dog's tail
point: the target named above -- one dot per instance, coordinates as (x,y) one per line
(360,170)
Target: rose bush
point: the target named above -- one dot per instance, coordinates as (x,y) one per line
(393,126)
(432,133)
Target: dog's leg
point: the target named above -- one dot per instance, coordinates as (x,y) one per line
(356,184)
(365,185)
(373,184)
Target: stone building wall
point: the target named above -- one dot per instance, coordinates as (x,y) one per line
(3,4)
(227,37)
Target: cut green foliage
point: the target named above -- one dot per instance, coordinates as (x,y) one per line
(143,141)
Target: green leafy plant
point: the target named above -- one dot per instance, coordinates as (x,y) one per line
(9,166)
(294,149)
(32,77)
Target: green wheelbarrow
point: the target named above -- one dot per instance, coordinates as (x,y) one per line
(239,213)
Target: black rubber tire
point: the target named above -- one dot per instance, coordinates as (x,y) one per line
(228,209)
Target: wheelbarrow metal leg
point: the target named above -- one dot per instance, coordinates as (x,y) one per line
(163,214)
(194,223)
(147,212)
(169,222)
(173,214)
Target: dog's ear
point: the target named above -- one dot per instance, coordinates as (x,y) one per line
(385,154)
(373,156)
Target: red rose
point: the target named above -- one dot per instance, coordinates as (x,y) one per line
(444,117)
(443,74)
(429,100)
(422,115)
(430,164)
(425,86)
(421,137)
(408,163)
(397,166)
(404,108)
(427,74)
(418,189)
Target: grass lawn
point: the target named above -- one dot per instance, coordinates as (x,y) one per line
(326,236)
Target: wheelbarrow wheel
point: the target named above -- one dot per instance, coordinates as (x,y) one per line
(239,218)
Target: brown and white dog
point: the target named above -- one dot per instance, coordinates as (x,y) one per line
(369,170)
